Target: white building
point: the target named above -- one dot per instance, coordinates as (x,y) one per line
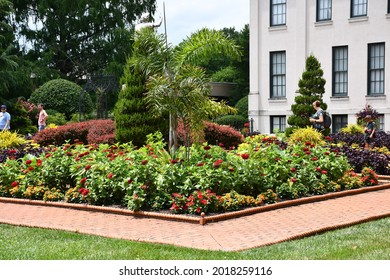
(351,40)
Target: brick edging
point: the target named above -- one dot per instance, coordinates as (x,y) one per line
(203,219)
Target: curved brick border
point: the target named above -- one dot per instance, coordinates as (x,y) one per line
(203,219)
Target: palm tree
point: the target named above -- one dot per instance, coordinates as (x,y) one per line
(176,85)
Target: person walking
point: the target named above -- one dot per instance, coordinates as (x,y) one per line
(5,119)
(369,132)
(42,116)
(318,117)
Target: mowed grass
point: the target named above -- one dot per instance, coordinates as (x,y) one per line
(368,241)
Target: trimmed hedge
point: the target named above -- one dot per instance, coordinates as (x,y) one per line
(88,132)
(236,121)
(215,134)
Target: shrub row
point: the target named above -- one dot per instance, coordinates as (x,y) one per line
(88,132)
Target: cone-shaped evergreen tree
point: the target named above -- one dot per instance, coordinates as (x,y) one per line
(133,121)
(311,88)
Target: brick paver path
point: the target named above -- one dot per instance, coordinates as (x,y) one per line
(234,234)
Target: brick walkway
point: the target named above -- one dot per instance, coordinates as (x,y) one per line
(234,234)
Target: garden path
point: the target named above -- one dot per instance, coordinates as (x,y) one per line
(235,234)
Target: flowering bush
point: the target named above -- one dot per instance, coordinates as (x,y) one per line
(367,110)
(262,170)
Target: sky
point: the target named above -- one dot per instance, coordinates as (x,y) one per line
(184,17)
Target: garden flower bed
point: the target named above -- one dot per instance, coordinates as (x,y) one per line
(210,179)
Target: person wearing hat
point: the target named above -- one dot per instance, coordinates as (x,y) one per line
(369,131)
(5,118)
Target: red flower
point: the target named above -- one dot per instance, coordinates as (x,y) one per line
(129,181)
(217,163)
(324,172)
(200,164)
(318,168)
(293,180)
(144,162)
(307,152)
(28,161)
(314,159)
(221,145)
(231,169)
(203,201)
(245,156)
(246,124)
(326,153)
(173,161)
(14,184)
(207,148)
(109,176)
(82,181)
(87,167)
(39,162)
(31,168)
(293,169)
(198,210)
(83,191)
(12,151)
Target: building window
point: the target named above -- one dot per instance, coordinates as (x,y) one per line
(278,74)
(388,6)
(278,12)
(340,71)
(358,8)
(324,10)
(339,122)
(381,122)
(376,69)
(278,124)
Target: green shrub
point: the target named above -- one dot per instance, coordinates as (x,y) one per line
(235,121)
(227,74)
(10,139)
(63,96)
(242,107)
(304,135)
(55,117)
(353,129)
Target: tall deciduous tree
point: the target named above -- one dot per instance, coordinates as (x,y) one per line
(311,88)
(79,37)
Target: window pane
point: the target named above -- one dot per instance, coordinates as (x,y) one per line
(359,8)
(340,71)
(278,74)
(278,123)
(278,12)
(376,70)
(339,122)
(324,10)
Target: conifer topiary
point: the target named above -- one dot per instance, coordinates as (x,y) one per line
(133,121)
(311,88)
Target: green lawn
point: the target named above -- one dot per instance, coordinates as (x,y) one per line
(369,241)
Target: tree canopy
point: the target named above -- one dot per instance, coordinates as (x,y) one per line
(78,37)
